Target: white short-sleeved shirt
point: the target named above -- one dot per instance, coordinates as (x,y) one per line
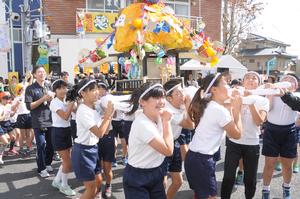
(100,106)
(55,105)
(280,113)
(140,153)
(251,131)
(178,115)
(73,114)
(86,118)
(7,111)
(13,118)
(210,130)
(22,109)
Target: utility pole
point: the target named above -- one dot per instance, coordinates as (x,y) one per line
(11,26)
(26,36)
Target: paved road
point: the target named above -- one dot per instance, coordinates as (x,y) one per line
(18,180)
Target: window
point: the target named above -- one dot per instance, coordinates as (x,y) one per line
(181,7)
(105,5)
(251,60)
(17,32)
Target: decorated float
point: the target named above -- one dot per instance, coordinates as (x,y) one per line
(150,29)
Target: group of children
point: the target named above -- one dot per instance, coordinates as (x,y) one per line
(162,128)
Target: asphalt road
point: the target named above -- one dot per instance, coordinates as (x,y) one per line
(18,180)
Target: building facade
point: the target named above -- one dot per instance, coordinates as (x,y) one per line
(259,53)
(61,14)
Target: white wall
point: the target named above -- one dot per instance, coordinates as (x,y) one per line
(3,55)
(69,51)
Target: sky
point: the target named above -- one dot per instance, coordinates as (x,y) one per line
(280,20)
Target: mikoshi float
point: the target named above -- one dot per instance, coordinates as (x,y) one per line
(149,26)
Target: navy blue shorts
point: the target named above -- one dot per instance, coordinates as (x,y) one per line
(1,131)
(24,121)
(106,148)
(118,128)
(73,129)
(144,183)
(61,138)
(217,155)
(174,162)
(126,129)
(280,141)
(200,173)
(85,162)
(298,133)
(6,126)
(185,137)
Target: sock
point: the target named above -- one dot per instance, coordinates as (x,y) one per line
(286,185)
(58,175)
(240,172)
(107,185)
(266,188)
(11,145)
(2,148)
(64,179)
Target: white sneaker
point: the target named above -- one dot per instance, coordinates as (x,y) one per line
(44,174)
(1,160)
(56,185)
(49,169)
(67,190)
(99,195)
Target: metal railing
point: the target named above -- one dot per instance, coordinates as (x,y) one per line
(130,85)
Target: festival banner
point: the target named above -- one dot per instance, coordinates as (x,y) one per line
(4,38)
(95,22)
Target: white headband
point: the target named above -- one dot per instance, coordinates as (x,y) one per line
(101,83)
(253,73)
(55,82)
(176,86)
(84,86)
(291,76)
(206,94)
(149,89)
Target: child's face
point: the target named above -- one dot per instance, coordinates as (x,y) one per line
(177,97)
(91,96)
(153,106)
(221,90)
(251,81)
(102,92)
(61,92)
(5,100)
(292,81)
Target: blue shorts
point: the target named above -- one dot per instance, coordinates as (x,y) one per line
(280,141)
(106,148)
(24,121)
(118,128)
(85,162)
(174,162)
(126,129)
(73,129)
(61,138)
(185,137)
(217,155)
(144,183)
(1,131)
(6,126)
(200,173)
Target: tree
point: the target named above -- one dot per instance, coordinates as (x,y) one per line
(238,18)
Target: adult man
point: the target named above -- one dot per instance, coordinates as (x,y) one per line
(65,76)
(37,101)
